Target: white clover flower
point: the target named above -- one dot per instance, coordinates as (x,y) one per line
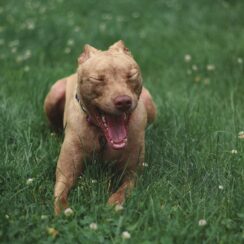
(241,135)
(142,34)
(30,25)
(144,164)
(187,58)
(221,187)
(107,16)
(68,212)
(118,208)
(126,235)
(52,232)
(26,68)
(202,222)
(93,181)
(194,67)
(43,217)
(93,226)
(234,151)
(19,59)
(197,78)
(13,50)
(14,43)
(42,10)
(6,216)
(210,67)
(239,60)
(70,42)
(135,15)
(67,50)
(102,27)
(189,72)
(77,29)
(120,18)
(27,54)
(29,181)
(206,81)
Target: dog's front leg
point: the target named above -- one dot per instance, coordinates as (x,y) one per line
(119,196)
(134,161)
(69,167)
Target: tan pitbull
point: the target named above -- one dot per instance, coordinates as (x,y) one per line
(104,101)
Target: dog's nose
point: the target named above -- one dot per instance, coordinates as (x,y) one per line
(123,103)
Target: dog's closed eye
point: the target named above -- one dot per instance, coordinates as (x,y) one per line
(133,74)
(134,81)
(133,77)
(99,79)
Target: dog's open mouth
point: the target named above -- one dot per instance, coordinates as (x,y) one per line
(114,128)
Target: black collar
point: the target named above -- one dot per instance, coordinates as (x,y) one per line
(81,105)
(88,116)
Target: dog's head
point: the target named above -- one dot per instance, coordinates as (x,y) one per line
(109,85)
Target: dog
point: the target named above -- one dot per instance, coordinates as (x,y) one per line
(103,109)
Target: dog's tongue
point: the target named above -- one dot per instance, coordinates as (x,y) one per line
(117,132)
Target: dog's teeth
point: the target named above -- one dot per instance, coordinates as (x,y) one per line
(125,140)
(103,119)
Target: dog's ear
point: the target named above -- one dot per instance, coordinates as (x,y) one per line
(88,52)
(119,46)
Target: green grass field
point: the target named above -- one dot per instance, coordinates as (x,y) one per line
(194,155)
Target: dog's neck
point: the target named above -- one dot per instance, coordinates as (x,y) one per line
(90,120)
(88,116)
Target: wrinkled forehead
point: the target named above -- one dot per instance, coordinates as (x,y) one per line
(107,63)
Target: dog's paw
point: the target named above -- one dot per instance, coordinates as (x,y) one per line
(60,204)
(117,198)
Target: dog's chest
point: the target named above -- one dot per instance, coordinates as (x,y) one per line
(109,154)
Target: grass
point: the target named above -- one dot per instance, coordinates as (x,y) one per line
(188,152)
